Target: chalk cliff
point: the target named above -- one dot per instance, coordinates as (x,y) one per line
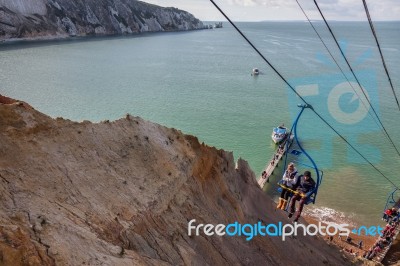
(61,18)
(122,193)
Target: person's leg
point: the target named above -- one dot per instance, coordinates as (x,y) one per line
(283,193)
(286,195)
(292,204)
(281,198)
(285,200)
(300,209)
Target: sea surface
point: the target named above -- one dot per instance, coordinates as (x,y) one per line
(200,82)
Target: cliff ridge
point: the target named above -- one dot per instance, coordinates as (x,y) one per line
(32,19)
(123,192)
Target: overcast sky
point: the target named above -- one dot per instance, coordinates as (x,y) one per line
(257,10)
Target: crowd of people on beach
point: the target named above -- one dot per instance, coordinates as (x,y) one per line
(356,249)
(349,240)
(387,236)
(391,215)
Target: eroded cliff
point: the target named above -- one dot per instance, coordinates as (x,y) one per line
(61,18)
(122,193)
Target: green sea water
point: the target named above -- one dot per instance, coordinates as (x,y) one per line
(200,82)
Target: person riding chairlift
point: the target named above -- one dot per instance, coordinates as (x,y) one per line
(307,185)
(290,179)
(389,214)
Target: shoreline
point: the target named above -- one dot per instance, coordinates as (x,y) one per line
(66,37)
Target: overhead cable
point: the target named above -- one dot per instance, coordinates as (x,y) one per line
(380,52)
(293,89)
(359,84)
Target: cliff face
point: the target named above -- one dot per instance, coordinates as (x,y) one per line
(122,193)
(45,18)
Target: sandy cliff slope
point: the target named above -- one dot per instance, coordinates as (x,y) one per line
(122,193)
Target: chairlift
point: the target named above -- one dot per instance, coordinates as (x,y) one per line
(391,203)
(312,195)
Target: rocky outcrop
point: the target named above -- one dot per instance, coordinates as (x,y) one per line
(122,193)
(62,18)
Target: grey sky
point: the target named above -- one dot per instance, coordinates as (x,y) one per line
(256,10)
